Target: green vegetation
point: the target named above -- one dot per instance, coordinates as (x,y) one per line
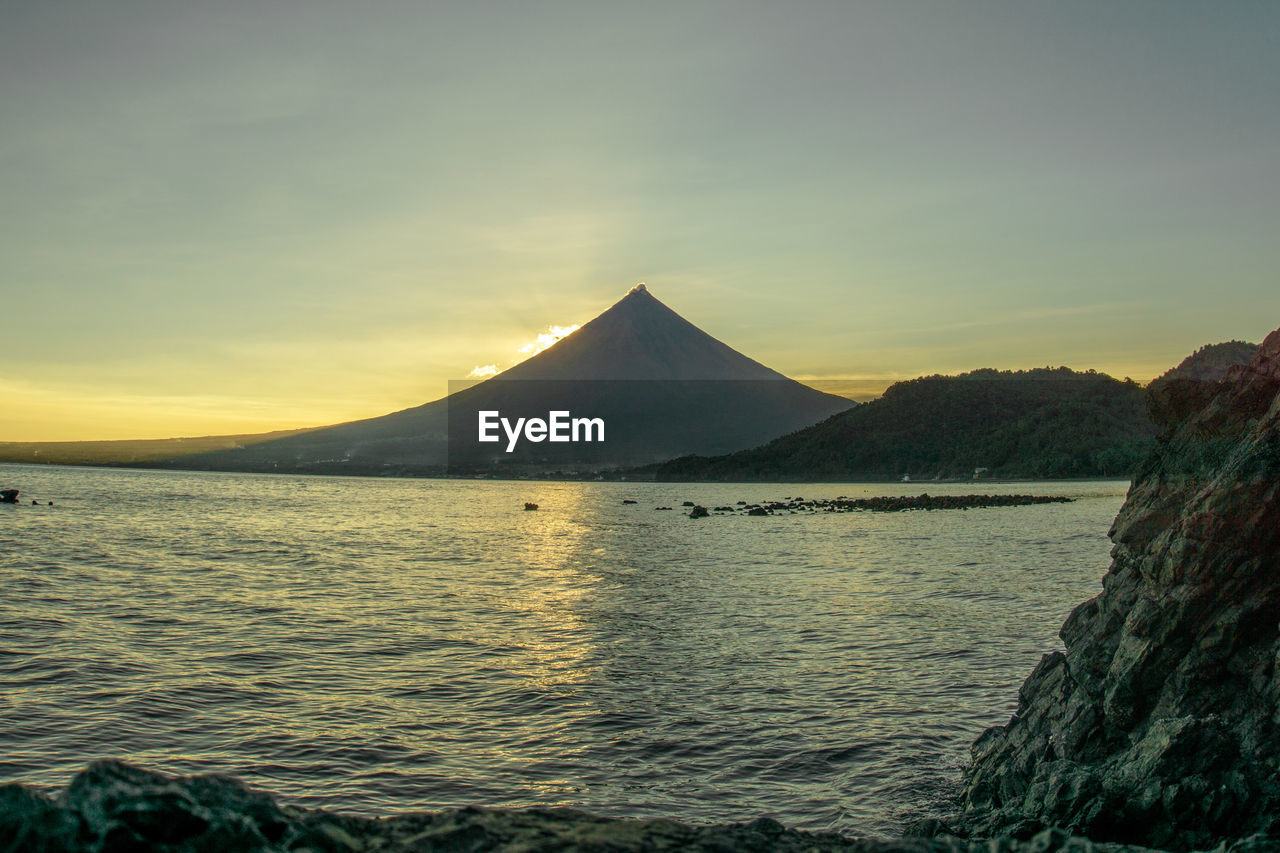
(1043,423)
(1211,362)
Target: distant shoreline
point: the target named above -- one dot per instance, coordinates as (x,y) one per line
(592,478)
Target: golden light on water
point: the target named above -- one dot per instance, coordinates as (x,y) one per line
(554,555)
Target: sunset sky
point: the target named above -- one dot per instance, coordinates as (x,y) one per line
(234,217)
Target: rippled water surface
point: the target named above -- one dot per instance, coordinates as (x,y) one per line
(388,645)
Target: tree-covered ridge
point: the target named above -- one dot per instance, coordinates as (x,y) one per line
(1041,423)
(1211,362)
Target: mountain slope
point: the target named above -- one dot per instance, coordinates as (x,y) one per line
(1036,423)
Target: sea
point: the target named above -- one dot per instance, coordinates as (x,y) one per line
(377,646)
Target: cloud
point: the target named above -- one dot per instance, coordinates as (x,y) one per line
(547,338)
(529,350)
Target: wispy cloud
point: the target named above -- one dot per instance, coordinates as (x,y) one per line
(529,350)
(547,338)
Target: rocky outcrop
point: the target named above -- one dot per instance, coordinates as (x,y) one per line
(1159,725)
(1210,363)
(116,807)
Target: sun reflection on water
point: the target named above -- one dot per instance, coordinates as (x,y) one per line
(553,554)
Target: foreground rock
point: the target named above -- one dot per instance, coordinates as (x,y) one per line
(115,807)
(1160,724)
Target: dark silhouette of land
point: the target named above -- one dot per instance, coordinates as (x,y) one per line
(1028,424)
(1045,423)
(685,406)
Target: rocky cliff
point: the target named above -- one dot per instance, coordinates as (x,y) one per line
(1159,724)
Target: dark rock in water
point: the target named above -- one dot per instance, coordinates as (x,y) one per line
(113,806)
(893,503)
(698,512)
(8,496)
(627,501)
(926,501)
(687,503)
(529,507)
(1161,723)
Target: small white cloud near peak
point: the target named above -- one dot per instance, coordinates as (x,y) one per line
(639,288)
(529,350)
(547,338)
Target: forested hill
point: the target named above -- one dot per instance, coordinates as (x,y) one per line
(1211,362)
(1043,423)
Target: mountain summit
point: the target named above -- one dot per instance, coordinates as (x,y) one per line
(640,338)
(664,387)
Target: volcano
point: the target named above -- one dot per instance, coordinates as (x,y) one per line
(663,386)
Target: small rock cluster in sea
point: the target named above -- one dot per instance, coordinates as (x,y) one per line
(887,503)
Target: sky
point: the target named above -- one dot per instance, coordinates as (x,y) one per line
(235,217)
